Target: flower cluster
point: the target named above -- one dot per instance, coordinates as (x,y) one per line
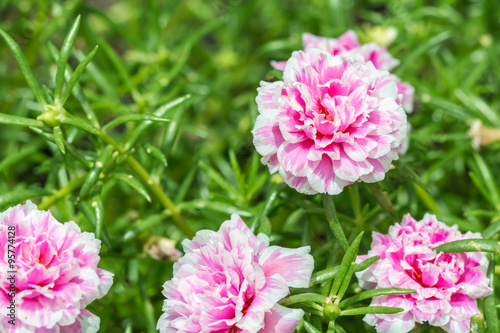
(332,121)
(231,281)
(56,273)
(446,285)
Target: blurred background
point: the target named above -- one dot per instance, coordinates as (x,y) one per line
(153,51)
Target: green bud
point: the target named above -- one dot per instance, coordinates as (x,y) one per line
(50,118)
(331,311)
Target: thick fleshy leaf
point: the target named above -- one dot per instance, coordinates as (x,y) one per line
(19,121)
(25,68)
(470,245)
(76,75)
(134,183)
(63,58)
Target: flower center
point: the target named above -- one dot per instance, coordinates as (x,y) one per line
(324,111)
(248,301)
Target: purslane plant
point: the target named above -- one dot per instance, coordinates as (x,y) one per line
(60,124)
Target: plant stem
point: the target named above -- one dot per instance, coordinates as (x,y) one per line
(333,220)
(73,185)
(153,186)
(382,198)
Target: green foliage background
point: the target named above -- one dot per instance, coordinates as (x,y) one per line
(212,55)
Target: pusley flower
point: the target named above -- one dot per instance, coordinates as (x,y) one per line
(231,280)
(447,285)
(55,273)
(332,121)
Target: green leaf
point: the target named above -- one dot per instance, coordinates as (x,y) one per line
(219,180)
(186,184)
(422,49)
(310,328)
(94,173)
(330,273)
(215,206)
(81,124)
(76,75)
(14,158)
(303,298)
(137,132)
(274,75)
(373,293)
(156,153)
(134,183)
(59,139)
(16,196)
(345,265)
(489,181)
(120,68)
(89,212)
(406,172)
(25,68)
(333,220)
(69,147)
(370,309)
(382,198)
(132,117)
(470,245)
(99,215)
(492,230)
(346,280)
(236,169)
(76,90)
(490,310)
(68,43)
(19,121)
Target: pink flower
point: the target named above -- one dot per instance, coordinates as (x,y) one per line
(447,285)
(347,44)
(332,121)
(231,281)
(56,274)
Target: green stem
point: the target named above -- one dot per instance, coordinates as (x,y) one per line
(382,198)
(331,327)
(153,186)
(333,220)
(490,310)
(73,185)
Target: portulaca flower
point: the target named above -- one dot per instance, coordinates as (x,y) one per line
(56,274)
(348,43)
(231,280)
(332,121)
(447,285)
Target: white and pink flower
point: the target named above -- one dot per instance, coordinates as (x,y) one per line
(56,274)
(231,280)
(347,44)
(332,121)
(447,285)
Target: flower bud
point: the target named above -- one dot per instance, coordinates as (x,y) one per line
(331,311)
(50,118)
(161,249)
